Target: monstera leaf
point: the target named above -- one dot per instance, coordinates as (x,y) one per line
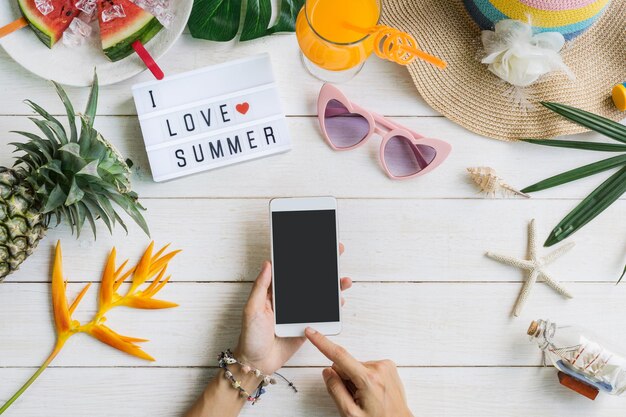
(219,20)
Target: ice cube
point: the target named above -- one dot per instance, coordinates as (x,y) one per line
(163,15)
(45,7)
(87,18)
(113,12)
(158,8)
(76,33)
(86,6)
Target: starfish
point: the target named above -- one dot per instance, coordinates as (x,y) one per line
(535,267)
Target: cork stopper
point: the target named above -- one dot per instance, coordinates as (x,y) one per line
(532,329)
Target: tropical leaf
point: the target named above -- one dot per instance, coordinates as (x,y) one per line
(215,20)
(287,15)
(603,196)
(622,276)
(55,124)
(74,196)
(594,204)
(574,144)
(69,109)
(219,20)
(577,173)
(599,124)
(92,102)
(258,14)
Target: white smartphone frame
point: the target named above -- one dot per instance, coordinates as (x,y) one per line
(305,204)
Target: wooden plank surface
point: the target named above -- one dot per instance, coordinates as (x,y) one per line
(295,84)
(158,392)
(425,294)
(312,168)
(386,240)
(438,324)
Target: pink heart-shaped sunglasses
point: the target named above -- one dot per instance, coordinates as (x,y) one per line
(403,153)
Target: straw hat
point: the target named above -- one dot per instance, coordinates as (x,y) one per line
(467,93)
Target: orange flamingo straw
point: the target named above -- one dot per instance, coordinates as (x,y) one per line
(397,46)
(13,26)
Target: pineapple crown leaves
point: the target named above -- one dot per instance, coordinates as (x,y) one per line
(76,176)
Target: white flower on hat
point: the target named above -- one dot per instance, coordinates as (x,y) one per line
(520,57)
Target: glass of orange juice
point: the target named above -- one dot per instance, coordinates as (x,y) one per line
(333,48)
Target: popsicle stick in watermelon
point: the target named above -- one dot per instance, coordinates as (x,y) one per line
(124,24)
(49,28)
(13,26)
(148,60)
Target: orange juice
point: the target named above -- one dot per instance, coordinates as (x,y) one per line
(325,37)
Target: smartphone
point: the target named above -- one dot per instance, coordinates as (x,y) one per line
(305,265)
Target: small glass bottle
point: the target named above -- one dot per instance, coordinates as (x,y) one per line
(578,353)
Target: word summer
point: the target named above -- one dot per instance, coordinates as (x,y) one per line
(224,147)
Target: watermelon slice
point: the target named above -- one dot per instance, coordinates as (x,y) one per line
(119,33)
(49,28)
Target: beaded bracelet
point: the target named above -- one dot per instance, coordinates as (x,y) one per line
(227,358)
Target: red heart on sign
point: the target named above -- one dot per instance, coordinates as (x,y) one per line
(243,107)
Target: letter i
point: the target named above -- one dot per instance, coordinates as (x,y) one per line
(152,99)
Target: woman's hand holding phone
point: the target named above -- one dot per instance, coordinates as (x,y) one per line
(258,345)
(361,389)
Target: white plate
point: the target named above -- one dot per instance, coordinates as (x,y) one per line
(74,66)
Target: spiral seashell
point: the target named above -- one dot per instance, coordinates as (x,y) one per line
(489,183)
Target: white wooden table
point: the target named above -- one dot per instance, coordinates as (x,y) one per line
(424,295)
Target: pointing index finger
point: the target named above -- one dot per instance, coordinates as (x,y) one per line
(336,353)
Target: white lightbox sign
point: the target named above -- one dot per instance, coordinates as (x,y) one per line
(211,117)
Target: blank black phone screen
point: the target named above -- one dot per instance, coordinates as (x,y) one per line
(305,266)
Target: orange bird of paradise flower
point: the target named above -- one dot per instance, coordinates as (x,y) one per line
(150,267)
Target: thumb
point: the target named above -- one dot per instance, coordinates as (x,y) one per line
(340,394)
(258,295)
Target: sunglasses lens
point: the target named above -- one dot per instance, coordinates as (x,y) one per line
(344,129)
(403,158)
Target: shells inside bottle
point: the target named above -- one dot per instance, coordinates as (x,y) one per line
(581,355)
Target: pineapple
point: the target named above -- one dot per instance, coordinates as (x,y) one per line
(66,175)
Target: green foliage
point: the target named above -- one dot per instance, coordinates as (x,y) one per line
(591,121)
(595,203)
(219,20)
(577,173)
(77,177)
(603,196)
(574,144)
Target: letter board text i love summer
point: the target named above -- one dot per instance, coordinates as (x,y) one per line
(211,117)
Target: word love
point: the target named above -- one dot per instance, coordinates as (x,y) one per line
(211,117)
(204,118)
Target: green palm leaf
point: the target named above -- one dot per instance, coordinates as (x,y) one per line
(599,124)
(603,196)
(577,173)
(576,144)
(594,204)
